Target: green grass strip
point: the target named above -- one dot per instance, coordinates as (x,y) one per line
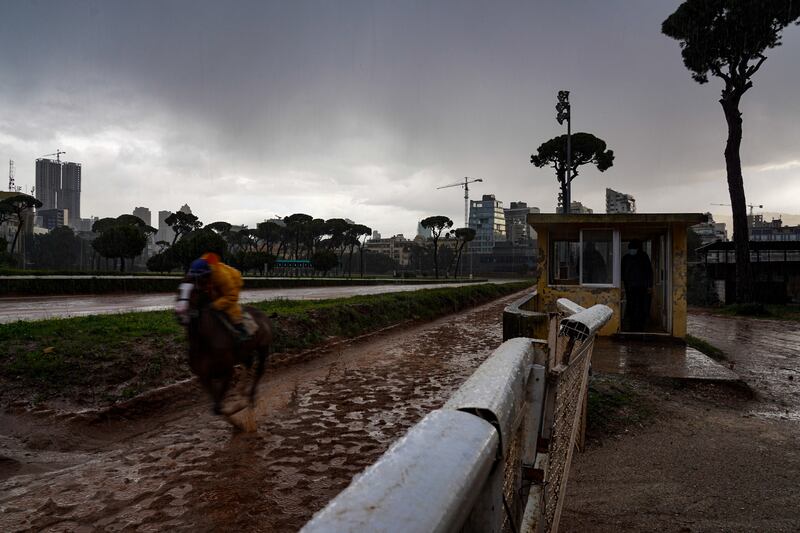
(705,347)
(116,356)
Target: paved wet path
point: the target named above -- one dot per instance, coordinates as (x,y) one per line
(320,423)
(765,354)
(662,358)
(42,307)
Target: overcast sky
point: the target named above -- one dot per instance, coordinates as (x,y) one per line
(245,110)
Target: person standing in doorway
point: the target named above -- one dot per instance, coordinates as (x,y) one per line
(637,275)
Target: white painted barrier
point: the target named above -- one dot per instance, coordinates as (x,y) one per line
(472,465)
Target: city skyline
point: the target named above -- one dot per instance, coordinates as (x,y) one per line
(262,109)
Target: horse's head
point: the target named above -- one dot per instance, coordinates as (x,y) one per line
(191,296)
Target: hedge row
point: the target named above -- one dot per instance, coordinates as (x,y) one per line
(54,285)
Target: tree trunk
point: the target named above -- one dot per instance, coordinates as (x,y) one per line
(436,258)
(16,235)
(733,164)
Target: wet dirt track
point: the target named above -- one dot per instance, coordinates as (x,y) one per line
(765,354)
(320,423)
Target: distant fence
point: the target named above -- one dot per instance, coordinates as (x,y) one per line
(496,457)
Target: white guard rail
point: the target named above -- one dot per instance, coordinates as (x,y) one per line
(461,467)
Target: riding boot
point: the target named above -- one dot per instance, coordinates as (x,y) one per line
(243,334)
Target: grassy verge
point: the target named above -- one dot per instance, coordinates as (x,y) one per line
(777,312)
(614,406)
(27,286)
(705,347)
(102,359)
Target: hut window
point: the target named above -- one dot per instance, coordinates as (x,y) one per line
(565,262)
(597,249)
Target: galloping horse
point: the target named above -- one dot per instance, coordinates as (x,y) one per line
(214,347)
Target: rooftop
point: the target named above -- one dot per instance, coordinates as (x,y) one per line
(552,219)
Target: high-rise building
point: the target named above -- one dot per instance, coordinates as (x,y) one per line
(143,213)
(517,229)
(423,232)
(48,182)
(186,209)
(619,202)
(486,217)
(69,197)
(165,232)
(376,235)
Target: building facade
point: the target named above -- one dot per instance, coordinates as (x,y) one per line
(69,196)
(422,231)
(619,202)
(165,232)
(760,230)
(53,218)
(518,231)
(487,218)
(144,214)
(710,231)
(397,247)
(48,182)
(577,208)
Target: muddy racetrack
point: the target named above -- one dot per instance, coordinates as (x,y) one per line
(177,467)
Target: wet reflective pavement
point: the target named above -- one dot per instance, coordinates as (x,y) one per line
(43,307)
(320,423)
(660,358)
(764,353)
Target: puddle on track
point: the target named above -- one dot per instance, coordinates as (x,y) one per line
(320,423)
(765,354)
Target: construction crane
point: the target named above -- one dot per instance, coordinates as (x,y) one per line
(57,154)
(464,184)
(751,206)
(11,186)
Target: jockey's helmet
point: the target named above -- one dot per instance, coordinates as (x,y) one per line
(199,268)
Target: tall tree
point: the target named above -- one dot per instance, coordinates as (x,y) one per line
(297,225)
(220,227)
(268,233)
(586,149)
(59,248)
(463,235)
(182,224)
(362,234)
(17,208)
(196,243)
(728,38)
(124,237)
(437,224)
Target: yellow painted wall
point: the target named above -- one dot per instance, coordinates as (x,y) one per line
(612,296)
(679,306)
(584,296)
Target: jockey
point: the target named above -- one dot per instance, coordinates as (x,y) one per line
(222,283)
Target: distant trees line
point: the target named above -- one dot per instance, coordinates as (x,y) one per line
(328,245)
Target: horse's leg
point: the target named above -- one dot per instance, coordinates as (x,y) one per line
(263,354)
(219,387)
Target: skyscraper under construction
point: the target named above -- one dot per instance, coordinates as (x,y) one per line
(48,182)
(70,195)
(58,186)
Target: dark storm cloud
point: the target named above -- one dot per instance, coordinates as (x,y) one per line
(361,109)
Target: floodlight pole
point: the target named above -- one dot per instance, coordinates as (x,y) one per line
(565,113)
